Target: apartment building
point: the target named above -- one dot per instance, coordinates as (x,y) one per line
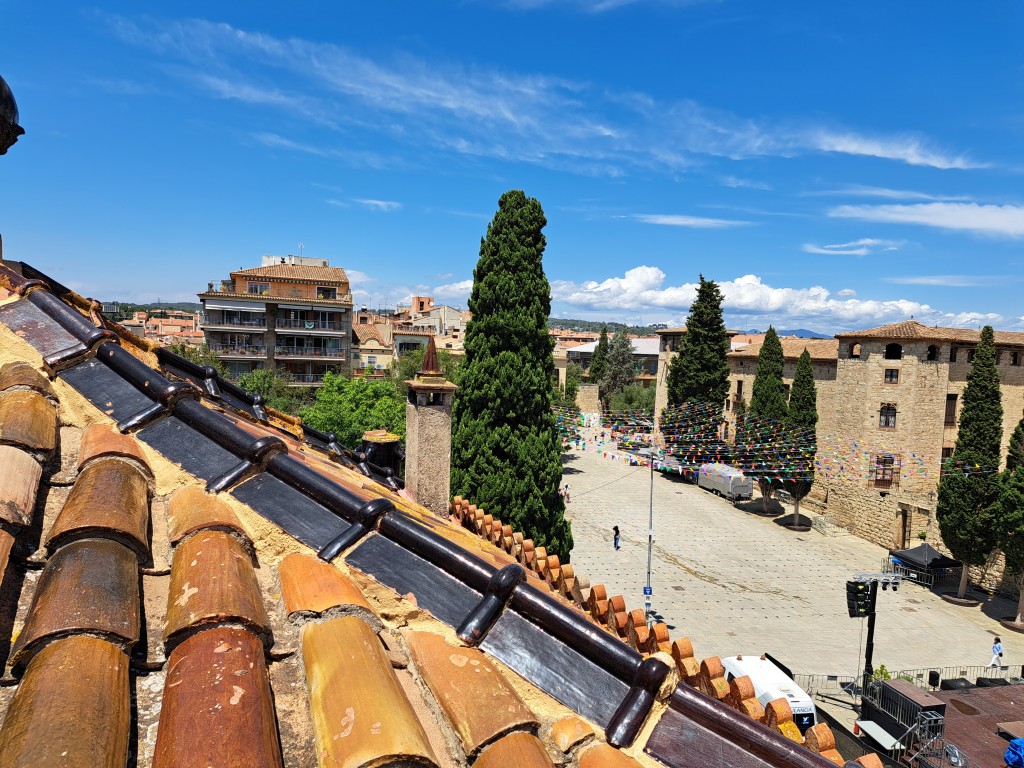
(291,313)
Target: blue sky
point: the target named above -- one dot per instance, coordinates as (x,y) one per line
(832,165)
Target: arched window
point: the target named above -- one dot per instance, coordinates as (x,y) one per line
(893,351)
(933,352)
(854,350)
(887,416)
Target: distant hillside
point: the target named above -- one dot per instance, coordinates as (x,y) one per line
(126,308)
(596,326)
(802,333)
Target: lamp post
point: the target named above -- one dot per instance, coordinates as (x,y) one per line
(860,603)
(648,592)
(9,128)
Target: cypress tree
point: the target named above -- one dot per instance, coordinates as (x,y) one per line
(621,368)
(801,442)
(599,362)
(506,449)
(1015,453)
(700,373)
(767,406)
(1009,524)
(970,485)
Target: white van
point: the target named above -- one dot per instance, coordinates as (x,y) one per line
(772,683)
(725,481)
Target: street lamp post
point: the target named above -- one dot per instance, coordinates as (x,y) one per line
(648,591)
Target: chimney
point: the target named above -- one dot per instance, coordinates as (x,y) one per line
(428,435)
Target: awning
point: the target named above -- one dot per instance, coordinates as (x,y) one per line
(244,306)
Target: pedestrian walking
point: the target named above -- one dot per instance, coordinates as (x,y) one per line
(566,494)
(997,653)
(615,530)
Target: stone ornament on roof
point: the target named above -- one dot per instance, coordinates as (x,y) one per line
(430,378)
(9,128)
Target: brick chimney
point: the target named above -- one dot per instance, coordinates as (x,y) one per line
(428,435)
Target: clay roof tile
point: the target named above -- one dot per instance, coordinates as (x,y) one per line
(21,374)
(605,756)
(19,483)
(523,750)
(27,419)
(191,509)
(103,440)
(311,586)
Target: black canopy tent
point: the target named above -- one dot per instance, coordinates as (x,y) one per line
(923,564)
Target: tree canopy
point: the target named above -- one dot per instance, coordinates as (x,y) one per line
(621,369)
(969,485)
(1009,524)
(350,407)
(1015,452)
(565,397)
(275,387)
(700,373)
(506,449)
(599,360)
(408,365)
(801,441)
(768,398)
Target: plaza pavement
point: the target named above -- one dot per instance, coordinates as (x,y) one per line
(738,583)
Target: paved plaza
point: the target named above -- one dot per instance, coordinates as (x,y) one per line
(738,583)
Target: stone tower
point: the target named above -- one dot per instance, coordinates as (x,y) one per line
(428,435)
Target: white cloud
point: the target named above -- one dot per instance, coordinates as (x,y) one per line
(862,247)
(738,183)
(846,292)
(695,222)
(945,281)
(378,205)
(472,110)
(997,220)
(454,293)
(749,299)
(860,190)
(355,277)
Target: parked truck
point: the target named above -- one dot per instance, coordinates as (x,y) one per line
(725,481)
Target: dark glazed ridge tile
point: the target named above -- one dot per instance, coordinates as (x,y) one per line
(217,684)
(697,731)
(110,499)
(312,524)
(89,586)
(187,448)
(71,708)
(213,581)
(47,337)
(105,389)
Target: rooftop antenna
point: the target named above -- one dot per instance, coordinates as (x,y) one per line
(301,246)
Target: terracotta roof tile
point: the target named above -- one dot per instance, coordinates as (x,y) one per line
(110,500)
(309,585)
(28,419)
(191,509)
(605,756)
(473,695)
(366,332)
(19,482)
(792,348)
(213,581)
(71,708)
(291,272)
(911,329)
(361,716)
(21,374)
(103,440)
(344,300)
(87,586)
(6,543)
(217,686)
(523,750)
(570,731)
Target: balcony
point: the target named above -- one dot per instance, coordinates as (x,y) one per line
(299,379)
(307,352)
(309,325)
(232,321)
(238,350)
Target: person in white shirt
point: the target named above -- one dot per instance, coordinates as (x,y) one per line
(997,653)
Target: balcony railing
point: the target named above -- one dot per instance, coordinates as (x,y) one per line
(309,352)
(307,378)
(309,325)
(239,349)
(234,322)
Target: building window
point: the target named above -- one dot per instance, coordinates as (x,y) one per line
(326,294)
(952,354)
(259,288)
(1015,358)
(883,473)
(893,352)
(933,352)
(854,350)
(892,375)
(887,416)
(947,454)
(970,355)
(950,411)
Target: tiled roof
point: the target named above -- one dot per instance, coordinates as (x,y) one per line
(295,272)
(345,300)
(368,332)
(294,609)
(792,348)
(911,329)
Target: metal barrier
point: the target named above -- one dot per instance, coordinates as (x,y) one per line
(826,527)
(825,685)
(924,677)
(922,576)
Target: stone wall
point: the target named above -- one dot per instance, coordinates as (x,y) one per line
(428,442)
(587,398)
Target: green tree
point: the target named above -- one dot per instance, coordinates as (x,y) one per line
(201,355)
(506,449)
(700,373)
(621,369)
(970,484)
(276,389)
(633,397)
(767,407)
(408,365)
(565,397)
(1015,453)
(350,407)
(1009,525)
(599,361)
(801,442)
